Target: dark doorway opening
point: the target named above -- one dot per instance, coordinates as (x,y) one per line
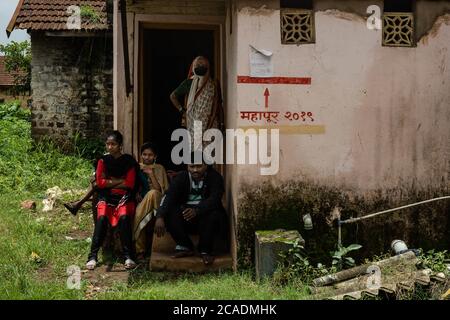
(165,58)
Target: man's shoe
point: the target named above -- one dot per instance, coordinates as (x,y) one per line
(91,264)
(130,264)
(207,259)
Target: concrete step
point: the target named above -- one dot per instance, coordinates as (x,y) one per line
(165,262)
(161,258)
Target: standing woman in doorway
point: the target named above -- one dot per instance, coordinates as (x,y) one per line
(202,98)
(115,181)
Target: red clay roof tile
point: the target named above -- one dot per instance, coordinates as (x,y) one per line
(53,15)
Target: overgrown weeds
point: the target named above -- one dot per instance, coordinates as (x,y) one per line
(437,261)
(89,14)
(296,266)
(28,166)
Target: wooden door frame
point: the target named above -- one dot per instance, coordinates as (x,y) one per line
(171,22)
(157,26)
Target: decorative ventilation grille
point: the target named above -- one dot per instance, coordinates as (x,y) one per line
(297,26)
(398,29)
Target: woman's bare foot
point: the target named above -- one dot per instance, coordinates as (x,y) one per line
(73,207)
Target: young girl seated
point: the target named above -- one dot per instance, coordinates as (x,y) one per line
(158,185)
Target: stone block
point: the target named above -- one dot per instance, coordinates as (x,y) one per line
(43,77)
(165,262)
(61,109)
(28,204)
(162,260)
(268,246)
(36,132)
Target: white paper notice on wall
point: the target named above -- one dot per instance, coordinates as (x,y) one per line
(260,63)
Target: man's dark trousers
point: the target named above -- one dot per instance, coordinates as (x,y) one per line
(205,225)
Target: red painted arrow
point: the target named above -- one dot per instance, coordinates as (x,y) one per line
(266,95)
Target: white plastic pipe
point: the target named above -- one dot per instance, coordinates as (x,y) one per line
(351,220)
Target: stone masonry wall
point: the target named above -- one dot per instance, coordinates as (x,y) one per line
(72,83)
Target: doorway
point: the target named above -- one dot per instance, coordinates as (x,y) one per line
(165,58)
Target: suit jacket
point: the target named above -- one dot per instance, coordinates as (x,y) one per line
(178,193)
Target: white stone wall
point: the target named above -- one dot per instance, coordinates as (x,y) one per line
(71,87)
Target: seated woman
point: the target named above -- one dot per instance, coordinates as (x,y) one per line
(158,184)
(91,193)
(115,184)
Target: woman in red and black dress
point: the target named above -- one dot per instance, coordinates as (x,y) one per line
(115,181)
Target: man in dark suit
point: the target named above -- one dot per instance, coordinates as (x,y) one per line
(193,204)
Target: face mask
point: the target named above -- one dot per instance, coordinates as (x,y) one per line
(200,70)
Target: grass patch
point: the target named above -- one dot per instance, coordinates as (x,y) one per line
(89,14)
(23,277)
(226,285)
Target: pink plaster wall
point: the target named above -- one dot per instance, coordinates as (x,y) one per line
(386,111)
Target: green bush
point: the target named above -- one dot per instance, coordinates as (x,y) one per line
(88,148)
(438,261)
(29,166)
(340,259)
(12,110)
(296,266)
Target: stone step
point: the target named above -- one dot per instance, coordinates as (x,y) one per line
(161,258)
(164,262)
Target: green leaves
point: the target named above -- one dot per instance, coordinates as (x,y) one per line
(89,14)
(437,261)
(339,257)
(296,266)
(12,110)
(345,250)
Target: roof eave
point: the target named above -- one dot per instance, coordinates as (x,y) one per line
(12,22)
